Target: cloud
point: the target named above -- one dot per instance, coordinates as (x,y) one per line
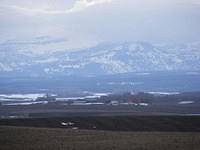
(85,23)
(78,6)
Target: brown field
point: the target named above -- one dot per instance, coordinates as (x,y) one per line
(28,138)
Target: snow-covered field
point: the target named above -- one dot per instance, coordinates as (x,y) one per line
(28,103)
(94,95)
(21,99)
(28,99)
(20,96)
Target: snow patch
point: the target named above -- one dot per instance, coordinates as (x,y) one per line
(69,66)
(163,93)
(186,102)
(67,123)
(50,60)
(143,104)
(143,73)
(5,68)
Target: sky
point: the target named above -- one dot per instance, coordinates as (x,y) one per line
(76,24)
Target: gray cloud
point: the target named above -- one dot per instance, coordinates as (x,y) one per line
(88,22)
(79,5)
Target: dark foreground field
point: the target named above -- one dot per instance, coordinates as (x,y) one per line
(132,132)
(114,123)
(28,138)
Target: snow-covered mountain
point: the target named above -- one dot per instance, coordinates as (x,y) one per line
(24,58)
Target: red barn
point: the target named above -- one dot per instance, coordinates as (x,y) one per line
(132,100)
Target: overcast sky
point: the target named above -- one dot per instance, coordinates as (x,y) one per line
(83,23)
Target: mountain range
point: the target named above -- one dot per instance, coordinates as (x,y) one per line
(19,57)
